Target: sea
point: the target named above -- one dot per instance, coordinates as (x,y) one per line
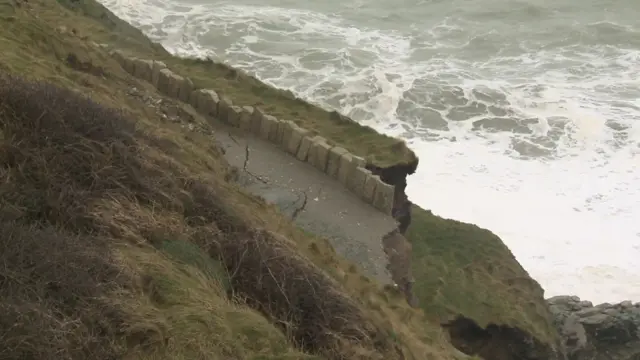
(525,113)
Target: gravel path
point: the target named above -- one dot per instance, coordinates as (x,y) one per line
(314,201)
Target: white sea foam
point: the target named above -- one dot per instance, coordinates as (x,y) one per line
(559,184)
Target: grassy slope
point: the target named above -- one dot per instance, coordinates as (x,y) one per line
(245,90)
(175,305)
(463,269)
(460,268)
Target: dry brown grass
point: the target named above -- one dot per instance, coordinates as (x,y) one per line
(307,304)
(53,287)
(87,175)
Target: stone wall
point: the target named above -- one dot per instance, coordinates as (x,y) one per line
(601,332)
(350,170)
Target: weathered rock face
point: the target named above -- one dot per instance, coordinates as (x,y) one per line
(396,245)
(496,342)
(601,332)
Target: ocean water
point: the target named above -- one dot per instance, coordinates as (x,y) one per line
(525,113)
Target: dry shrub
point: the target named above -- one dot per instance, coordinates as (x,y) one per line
(53,289)
(61,151)
(71,164)
(303,300)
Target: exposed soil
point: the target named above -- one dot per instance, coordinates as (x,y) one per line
(396,245)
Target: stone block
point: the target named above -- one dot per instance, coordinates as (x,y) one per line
(383,196)
(347,166)
(303,149)
(208,104)
(194,98)
(234,116)
(142,69)
(224,108)
(129,65)
(295,140)
(175,84)
(333,165)
(356,181)
(164,80)
(257,118)
(245,118)
(319,153)
(287,130)
(155,72)
(269,127)
(370,184)
(359,161)
(273,135)
(118,56)
(185,91)
(283,126)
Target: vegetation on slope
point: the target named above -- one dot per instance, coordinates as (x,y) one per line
(122,239)
(140,239)
(246,90)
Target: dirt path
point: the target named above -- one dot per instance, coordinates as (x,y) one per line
(314,201)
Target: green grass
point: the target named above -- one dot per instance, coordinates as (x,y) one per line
(463,269)
(191,314)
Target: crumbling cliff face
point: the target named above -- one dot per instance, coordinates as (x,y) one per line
(601,332)
(396,175)
(489,341)
(396,245)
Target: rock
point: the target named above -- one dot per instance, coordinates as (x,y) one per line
(348,165)
(155,72)
(585,304)
(588,312)
(186,88)
(235,112)
(357,181)
(224,109)
(335,155)
(370,184)
(563,299)
(164,81)
(257,117)
(175,84)
(208,104)
(595,319)
(602,332)
(303,149)
(383,196)
(295,142)
(283,126)
(245,118)
(119,56)
(129,64)
(269,127)
(626,304)
(142,69)
(319,153)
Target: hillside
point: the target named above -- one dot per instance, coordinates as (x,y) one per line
(125,235)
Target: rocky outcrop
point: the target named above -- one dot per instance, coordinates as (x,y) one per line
(601,332)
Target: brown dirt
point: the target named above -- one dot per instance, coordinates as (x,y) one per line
(398,250)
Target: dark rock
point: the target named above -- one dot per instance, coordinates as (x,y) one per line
(602,332)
